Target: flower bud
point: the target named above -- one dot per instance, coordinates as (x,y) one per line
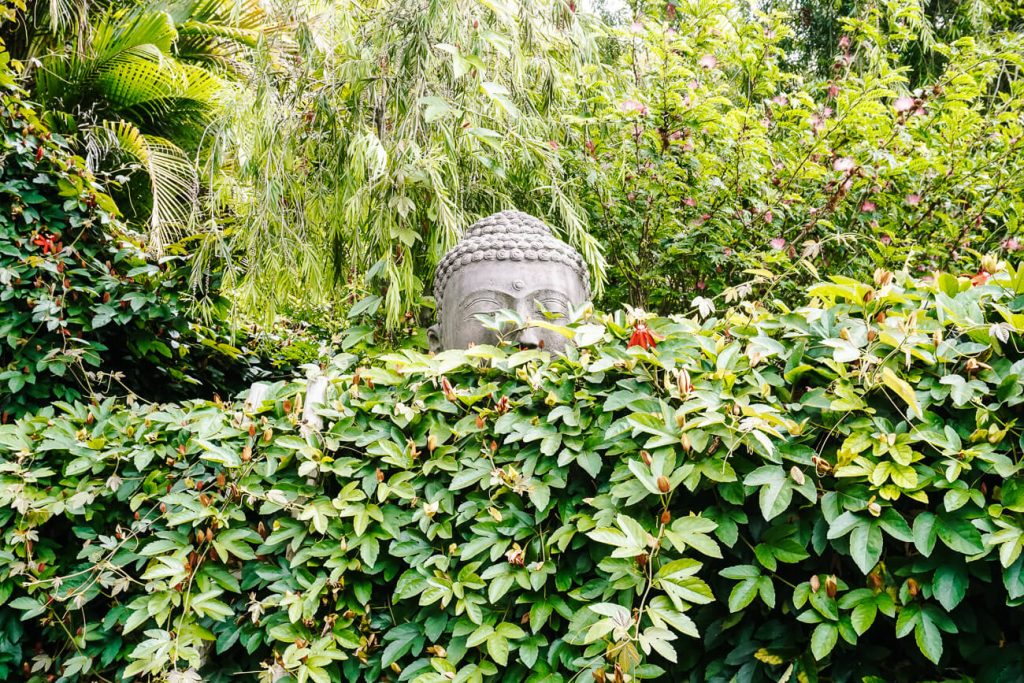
(831,585)
(683,383)
(815,583)
(446,387)
(685,443)
(663,484)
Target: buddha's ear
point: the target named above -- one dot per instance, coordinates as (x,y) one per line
(434,338)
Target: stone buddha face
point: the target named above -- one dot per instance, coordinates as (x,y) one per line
(509,261)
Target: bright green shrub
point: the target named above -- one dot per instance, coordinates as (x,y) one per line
(82,307)
(829,492)
(702,156)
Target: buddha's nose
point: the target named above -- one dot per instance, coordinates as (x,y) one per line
(529,338)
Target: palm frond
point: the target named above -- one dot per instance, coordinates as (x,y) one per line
(216,33)
(64,14)
(172,180)
(123,60)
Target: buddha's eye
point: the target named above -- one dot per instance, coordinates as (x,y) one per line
(482,305)
(554,305)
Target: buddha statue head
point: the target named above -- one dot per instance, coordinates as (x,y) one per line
(506,261)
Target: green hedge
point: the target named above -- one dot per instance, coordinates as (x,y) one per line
(825,493)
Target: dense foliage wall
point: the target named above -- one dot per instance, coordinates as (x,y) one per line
(678,147)
(711,166)
(820,493)
(83,309)
(324,157)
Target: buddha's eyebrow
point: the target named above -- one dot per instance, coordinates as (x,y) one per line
(491,296)
(545,292)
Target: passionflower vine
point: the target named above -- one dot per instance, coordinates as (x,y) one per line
(643,336)
(47,242)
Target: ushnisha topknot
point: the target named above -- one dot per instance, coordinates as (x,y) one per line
(507,236)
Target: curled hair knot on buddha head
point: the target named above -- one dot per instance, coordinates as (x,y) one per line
(507,236)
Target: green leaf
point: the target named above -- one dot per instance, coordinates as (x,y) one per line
(925,533)
(949,584)
(401,639)
(824,639)
(862,616)
(894,525)
(866,546)
(844,524)
(929,638)
(743,593)
(236,542)
(903,390)
(960,535)
(497,648)
(31,607)
(498,586)
(776,489)
(480,635)
(693,532)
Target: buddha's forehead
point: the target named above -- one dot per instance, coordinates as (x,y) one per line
(516,279)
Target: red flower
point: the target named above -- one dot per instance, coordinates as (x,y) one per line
(47,242)
(980,278)
(643,336)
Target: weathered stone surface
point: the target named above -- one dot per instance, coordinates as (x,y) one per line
(509,260)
